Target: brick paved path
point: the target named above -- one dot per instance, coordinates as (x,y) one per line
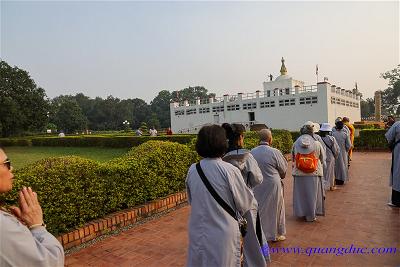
(356,214)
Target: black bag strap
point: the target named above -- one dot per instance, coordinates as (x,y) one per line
(215,195)
(328,146)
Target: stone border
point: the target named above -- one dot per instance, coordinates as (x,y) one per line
(120,219)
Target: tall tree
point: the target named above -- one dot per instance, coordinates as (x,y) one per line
(391,95)
(160,108)
(191,93)
(67,115)
(367,107)
(23,105)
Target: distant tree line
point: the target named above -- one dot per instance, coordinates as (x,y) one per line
(390,96)
(25,108)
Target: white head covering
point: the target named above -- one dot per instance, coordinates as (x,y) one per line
(316,127)
(308,123)
(326,127)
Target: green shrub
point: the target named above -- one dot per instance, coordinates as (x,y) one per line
(281,139)
(73,190)
(372,139)
(366,126)
(69,188)
(15,142)
(106,141)
(295,135)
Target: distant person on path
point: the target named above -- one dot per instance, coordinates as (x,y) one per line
(153,131)
(345,128)
(390,122)
(352,130)
(252,176)
(393,137)
(269,194)
(138,132)
(307,171)
(169,131)
(341,164)
(214,235)
(332,152)
(24,240)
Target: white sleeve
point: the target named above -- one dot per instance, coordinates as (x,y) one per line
(253,171)
(21,247)
(281,164)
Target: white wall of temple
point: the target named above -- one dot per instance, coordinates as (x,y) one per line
(288,109)
(341,103)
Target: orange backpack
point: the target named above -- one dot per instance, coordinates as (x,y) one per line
(306,162)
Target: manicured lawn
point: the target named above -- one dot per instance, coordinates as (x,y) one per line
(22,156)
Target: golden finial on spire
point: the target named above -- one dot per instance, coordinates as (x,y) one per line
(283,67)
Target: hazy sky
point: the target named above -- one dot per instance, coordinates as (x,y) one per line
(136,49)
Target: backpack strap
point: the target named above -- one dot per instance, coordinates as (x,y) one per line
(328,146)
(214,194)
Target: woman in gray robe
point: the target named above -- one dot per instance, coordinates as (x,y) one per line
(393,137)
(255,245)
(24,240)
(307,188)
(341,162)
(214,236)
(269,194)
(332,152)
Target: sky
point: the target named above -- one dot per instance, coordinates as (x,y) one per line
(131,49)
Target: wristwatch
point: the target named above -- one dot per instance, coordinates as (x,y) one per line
(37,225)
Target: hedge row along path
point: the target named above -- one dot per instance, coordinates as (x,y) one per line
(356,214)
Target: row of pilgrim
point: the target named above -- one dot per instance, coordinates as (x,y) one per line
(237,195)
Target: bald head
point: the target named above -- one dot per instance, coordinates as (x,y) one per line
(265,135)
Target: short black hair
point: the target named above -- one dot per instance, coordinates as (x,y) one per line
(211,142)
(233,132)
(339,125)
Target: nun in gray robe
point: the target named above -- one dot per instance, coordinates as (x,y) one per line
(255,248)
(214,236)
(332,152)
(341,162)
(308,189)
(269,193)
(252,177)
(393,136)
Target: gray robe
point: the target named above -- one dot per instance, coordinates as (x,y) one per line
(393,135)
(20,246)
(341,167)
(270,193)
(308,192)
(214,236)
(252,176)
(332,152)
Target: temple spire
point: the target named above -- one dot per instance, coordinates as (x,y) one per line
(283,67)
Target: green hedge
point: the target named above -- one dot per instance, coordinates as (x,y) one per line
(281,139)
(15,142)
(295,135)
(74,190)
(106,141)
(372,139)
(367,126)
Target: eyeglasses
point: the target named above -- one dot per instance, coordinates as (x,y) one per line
(7,162)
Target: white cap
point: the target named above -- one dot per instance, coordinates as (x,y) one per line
(309,123)
(326,127)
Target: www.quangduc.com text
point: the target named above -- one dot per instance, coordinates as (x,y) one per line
(338,251)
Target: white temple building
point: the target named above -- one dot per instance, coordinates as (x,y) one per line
(285,103)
